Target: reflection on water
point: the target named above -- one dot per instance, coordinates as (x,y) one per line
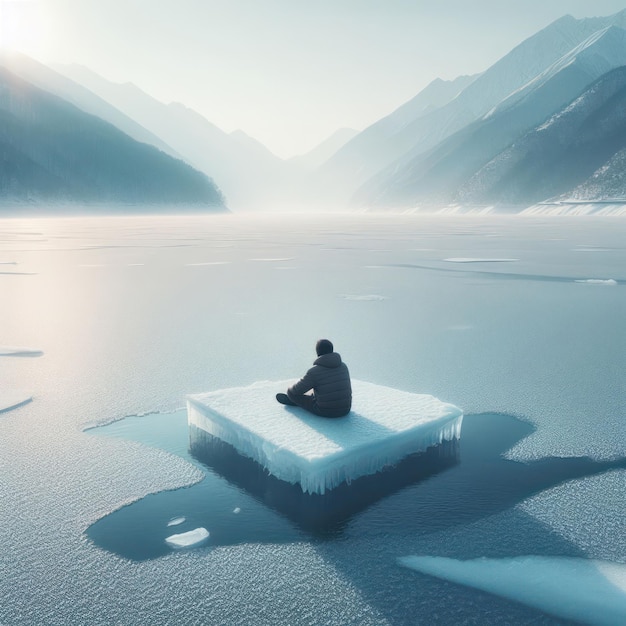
(320,515)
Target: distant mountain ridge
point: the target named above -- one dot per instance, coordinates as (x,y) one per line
(246,171)
(452,169)
(322,152)
(438,174)
(55,83)
(52,151)
(573,155)
(382,142)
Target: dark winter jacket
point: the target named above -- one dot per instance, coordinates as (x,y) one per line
(329,379)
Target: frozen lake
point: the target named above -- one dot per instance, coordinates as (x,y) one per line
(517,320)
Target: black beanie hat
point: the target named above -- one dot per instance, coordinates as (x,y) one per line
(323,346)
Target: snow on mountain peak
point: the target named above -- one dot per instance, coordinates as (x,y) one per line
(602,51)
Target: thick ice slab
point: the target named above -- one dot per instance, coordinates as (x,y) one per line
(384,426)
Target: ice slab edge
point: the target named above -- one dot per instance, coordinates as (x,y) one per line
(385,426)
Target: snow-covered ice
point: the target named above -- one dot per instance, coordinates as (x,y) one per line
(176,521)
(384,426)
(189,539)
(589,591)
(13,399)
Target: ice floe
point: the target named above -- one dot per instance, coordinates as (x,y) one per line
(597,281)
(588,591)
(175,521)
(19,351)
(189,539)
(478,260)
(363,298)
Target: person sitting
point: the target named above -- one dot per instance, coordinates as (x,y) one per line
(329,381)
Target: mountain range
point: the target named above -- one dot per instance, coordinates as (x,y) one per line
(468,165)
(544,123)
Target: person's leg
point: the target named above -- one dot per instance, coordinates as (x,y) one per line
(283,398)
(305,401)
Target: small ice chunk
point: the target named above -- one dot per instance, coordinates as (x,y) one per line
(597,281)
(17,351)
(273,260)
(189,539)
(589,591)
(175,521)
(364,298)
(236,510)
(13,399)
(472,260)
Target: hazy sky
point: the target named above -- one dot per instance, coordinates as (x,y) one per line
(288,72)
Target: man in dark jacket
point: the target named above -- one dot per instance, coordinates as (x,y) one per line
(329,379)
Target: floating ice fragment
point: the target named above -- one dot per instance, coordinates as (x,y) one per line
(597,281)
(271,260)
(189,539)
(236,510)
(175,521)
(18,351)
(364,298)
(13,399)
(472,260)
(588,591)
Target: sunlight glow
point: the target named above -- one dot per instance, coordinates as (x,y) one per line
(20,25)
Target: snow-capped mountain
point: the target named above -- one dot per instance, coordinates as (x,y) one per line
(439,174)
(387,145)
(577,153)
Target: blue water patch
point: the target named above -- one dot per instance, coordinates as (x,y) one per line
(239,502)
